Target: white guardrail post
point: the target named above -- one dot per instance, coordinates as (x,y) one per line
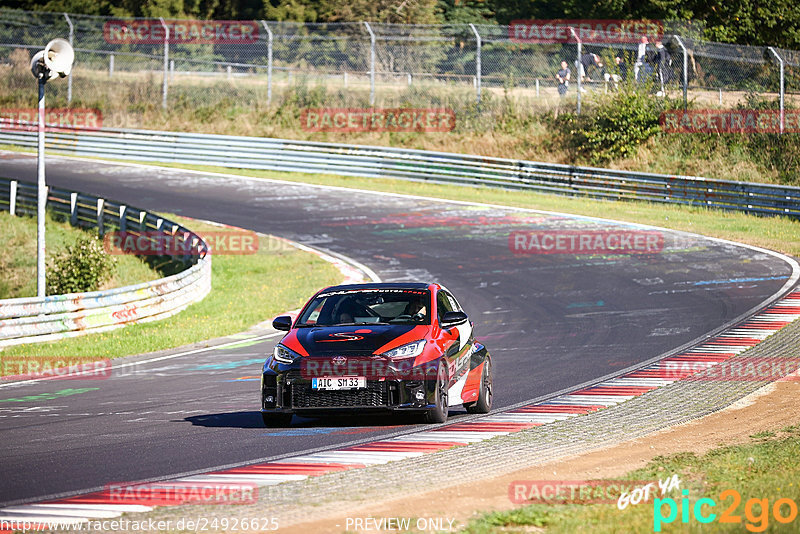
(35,319)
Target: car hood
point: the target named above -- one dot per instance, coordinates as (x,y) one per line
(356,340)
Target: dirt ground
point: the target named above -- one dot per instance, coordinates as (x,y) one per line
(772,407)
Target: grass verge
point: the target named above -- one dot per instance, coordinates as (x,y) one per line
(760,472)
(18,256)
(246,289)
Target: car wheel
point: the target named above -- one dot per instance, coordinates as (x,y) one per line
(484,402)
(276,420)
(438,414)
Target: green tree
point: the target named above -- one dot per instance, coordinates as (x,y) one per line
(465,11)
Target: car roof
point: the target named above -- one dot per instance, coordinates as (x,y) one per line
(382,285)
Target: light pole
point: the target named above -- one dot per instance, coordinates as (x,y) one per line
(54,61)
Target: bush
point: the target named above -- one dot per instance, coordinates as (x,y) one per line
(81,267)
(614,128)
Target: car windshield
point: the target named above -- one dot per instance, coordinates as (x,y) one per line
(368,306)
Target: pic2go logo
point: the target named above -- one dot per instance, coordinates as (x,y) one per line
(756,511)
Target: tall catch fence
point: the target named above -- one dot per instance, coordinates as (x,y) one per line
(201,62)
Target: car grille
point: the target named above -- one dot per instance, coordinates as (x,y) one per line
(374,395)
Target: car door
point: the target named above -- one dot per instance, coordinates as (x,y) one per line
(457,339)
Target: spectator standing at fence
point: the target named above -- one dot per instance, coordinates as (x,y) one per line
(662,60)
(563,79)
(642,69)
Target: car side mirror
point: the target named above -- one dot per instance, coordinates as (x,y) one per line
(453,317)
(284,322)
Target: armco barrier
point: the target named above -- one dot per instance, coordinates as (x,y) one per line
(28,320)
(386,162)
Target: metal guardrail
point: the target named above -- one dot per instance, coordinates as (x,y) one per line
(408,164)
(29,320)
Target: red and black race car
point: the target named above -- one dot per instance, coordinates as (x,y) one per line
(379,347)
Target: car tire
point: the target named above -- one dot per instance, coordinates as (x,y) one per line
(484,402)
(438,414)
(276,420)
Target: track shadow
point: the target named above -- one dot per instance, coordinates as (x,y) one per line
(249,419)
(252,419)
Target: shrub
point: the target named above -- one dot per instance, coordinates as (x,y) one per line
(614,128)
(80,267)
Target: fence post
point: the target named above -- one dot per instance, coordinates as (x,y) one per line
(685,72)
(123,218)
(578,67)
(371,64)
(111,65)
(12,197)
(780,62)
(100,218)
(69,78)
(478,43)
(166,62)
(73,209)
(269,61)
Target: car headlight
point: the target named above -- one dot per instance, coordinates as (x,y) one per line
(409,350)
(284,355)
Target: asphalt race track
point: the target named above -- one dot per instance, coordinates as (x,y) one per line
(551,321)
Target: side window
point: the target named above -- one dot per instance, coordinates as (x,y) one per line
(453,301)
(443,304)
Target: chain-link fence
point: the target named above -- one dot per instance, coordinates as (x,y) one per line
(142,62)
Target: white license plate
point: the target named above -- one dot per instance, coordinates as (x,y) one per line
(339,382)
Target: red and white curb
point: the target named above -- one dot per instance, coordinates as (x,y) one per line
(104,505)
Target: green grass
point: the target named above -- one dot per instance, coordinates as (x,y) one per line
(18,256)
(246,289)
(765,468)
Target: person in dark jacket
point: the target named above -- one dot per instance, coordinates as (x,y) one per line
(563,79)
(662,62)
